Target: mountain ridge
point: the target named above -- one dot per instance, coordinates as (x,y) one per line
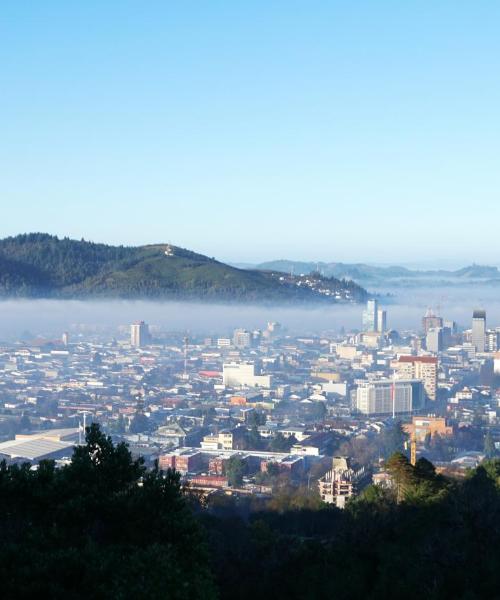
(40,265)
(365,274)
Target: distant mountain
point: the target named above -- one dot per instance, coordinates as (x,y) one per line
(40,265)
(368,275)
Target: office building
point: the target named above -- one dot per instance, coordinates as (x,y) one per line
(370,316)
(381,320)
(492,340)
(434,339)
(139,334)
(242,338)
(479,330)
(423,368)
(386,397)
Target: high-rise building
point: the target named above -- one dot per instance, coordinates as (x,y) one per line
(431,321)
(492,340)
(370,316)
(434,339)
(479,330)
(386,397)
(139,334)
(423,368)
(381,320)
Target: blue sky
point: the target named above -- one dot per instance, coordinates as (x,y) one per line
(255,130)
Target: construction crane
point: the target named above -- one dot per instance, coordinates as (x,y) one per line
(413,448)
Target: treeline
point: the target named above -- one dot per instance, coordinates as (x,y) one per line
(425,537)
(104,527)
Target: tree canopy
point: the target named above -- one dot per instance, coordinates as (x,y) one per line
(101,527)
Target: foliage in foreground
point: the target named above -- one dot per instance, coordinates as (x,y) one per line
(427,537)
(101,527)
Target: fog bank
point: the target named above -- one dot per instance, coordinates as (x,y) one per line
(405,310)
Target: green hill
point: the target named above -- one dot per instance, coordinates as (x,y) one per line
(40,265)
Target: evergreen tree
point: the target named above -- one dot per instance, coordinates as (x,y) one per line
(489,445)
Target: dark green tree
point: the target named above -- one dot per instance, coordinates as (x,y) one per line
(102,527)
(235,469)
(280,443)
(139,424)
(253,439)
(489,445)
(401,473)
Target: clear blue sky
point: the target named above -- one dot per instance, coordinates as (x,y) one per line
(255,130)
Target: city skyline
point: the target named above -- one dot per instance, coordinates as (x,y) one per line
(332,132)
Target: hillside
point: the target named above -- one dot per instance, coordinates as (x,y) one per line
(369,275)
(40,265)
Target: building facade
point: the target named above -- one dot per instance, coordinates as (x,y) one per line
(479,330)
(139,334)
(342,482)
(244,374)
(424,368)
(370,316)
(386,397)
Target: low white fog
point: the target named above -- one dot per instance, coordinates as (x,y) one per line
(405,309)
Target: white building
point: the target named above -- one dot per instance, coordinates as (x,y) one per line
(244,375)
(385,397)
(139,334)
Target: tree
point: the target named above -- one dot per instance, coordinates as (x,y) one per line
(120,531)
(439,448)
(280,443)
(139,424)
(393,439)
(489,445)
(256,419)
(25,423)
(253,439)
(273,469)
(234,469)
(401,472)
(424,469)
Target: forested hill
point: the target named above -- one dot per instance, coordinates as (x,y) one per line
(38,265)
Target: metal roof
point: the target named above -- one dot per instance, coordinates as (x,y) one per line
(32,449)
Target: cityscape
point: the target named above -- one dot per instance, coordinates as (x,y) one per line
(250,413)
(249,300)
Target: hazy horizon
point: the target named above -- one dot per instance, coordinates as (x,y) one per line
(52,317)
